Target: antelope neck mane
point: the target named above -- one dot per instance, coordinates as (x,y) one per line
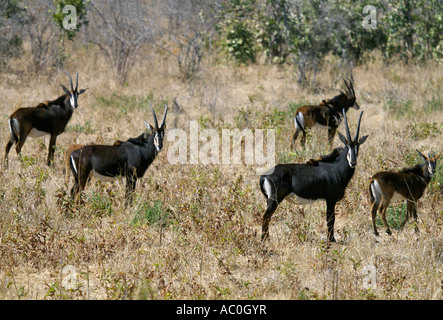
(417,169)
(59,100)
(329,158)
(140,140)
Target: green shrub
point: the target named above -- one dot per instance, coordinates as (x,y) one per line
(100,204)
(395,215)
(435,104)
(128,103)
(399,109)
(236,23)
(148,214)
(85,128)
(425,130)
(436,184)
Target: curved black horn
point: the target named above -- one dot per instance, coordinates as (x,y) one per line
(155,117)
(70,79)
(76,84)
(164,117)
(358,127)
(352,86)
(346,125)
(347,87)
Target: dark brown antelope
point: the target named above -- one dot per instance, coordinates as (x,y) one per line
(327,113)
(127,159)
(408,184)
(323,179)
(48,118)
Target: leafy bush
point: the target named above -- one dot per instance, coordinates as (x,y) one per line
(11,21)
(435,104)
(414,29)
(436,183)
(100,204)
(59,16)
(237,25)
(395,215)
(399,109)
(149,214)
(425,130)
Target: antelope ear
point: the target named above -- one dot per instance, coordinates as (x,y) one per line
(342,138)
(422,156)
(437,156)
(82,91)
(148,127)
(65,89)
(362,139)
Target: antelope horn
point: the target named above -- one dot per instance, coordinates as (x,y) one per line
(76,83)
(352,86)
(421,155)
(358,127)
(349,91)
(70,79)
(155,117)
(164,116)
(346,125)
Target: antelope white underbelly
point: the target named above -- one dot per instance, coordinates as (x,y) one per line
(293,198)
(397,196)
(104,178)
(34,133)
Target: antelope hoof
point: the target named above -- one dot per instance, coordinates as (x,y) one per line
(388,231)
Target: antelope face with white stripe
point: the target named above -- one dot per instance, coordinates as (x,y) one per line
(159,135)
(352,146)
(74,92)
(431,162)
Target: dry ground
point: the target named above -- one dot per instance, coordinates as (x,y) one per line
(194,230)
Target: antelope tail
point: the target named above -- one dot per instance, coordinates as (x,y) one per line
(375,194)
(371,195)
(14,128)
(266,187)
(299,123)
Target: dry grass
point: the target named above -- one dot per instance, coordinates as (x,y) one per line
(193,232)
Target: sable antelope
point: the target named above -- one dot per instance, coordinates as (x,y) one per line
(129,159)
(322,179)
(327,113)
(49,118)
(408,184)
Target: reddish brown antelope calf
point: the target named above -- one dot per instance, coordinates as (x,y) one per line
(408,184)
(327,114)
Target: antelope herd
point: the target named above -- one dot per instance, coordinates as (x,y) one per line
(324,179)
